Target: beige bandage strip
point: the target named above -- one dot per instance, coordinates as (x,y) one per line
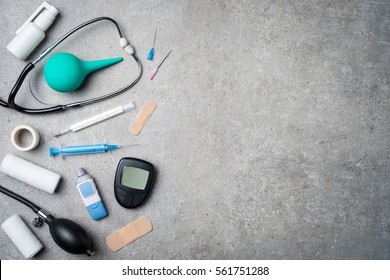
(142,117)
(129,233)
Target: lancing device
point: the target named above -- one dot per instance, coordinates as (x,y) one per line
(89,194)
(96,119)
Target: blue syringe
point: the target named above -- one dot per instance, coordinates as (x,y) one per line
(82,149)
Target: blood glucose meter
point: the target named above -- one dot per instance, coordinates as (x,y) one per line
(134,180)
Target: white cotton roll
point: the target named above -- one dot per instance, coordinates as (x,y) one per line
(23,238)
(30,173)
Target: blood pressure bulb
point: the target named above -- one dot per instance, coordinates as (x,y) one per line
(70,236)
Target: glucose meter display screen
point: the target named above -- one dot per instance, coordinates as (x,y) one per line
(134,178)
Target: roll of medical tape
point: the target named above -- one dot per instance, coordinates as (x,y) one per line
(23,238)
(29,173)
(16,141)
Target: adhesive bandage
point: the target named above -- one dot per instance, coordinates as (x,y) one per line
(142,117)
(23,238)
(30,173)
(129,233)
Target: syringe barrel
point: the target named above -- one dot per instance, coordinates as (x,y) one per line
(79,150)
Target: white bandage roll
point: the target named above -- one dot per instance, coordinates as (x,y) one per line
(23,238)
(30,173)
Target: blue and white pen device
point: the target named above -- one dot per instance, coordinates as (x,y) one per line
(89,194)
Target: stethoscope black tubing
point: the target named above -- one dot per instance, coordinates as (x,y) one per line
(11,99)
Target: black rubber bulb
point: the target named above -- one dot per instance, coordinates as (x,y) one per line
(70,236)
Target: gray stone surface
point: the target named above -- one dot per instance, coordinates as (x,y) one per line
(271,135)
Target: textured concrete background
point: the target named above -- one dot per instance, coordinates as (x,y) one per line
(271,135)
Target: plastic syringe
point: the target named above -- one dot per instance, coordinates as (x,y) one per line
(82,149)
(96,119)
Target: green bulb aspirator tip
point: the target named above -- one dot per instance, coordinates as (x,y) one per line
(65,72)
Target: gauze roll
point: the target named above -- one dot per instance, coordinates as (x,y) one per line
(30,173)
(23,238)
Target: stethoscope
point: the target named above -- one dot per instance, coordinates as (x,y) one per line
(31,65)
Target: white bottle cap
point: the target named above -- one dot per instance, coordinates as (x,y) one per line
(50,14)
(46,18)
(32,32)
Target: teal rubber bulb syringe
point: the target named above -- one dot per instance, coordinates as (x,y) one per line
(82,149)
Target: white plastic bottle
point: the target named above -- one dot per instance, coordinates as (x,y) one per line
(32,31)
